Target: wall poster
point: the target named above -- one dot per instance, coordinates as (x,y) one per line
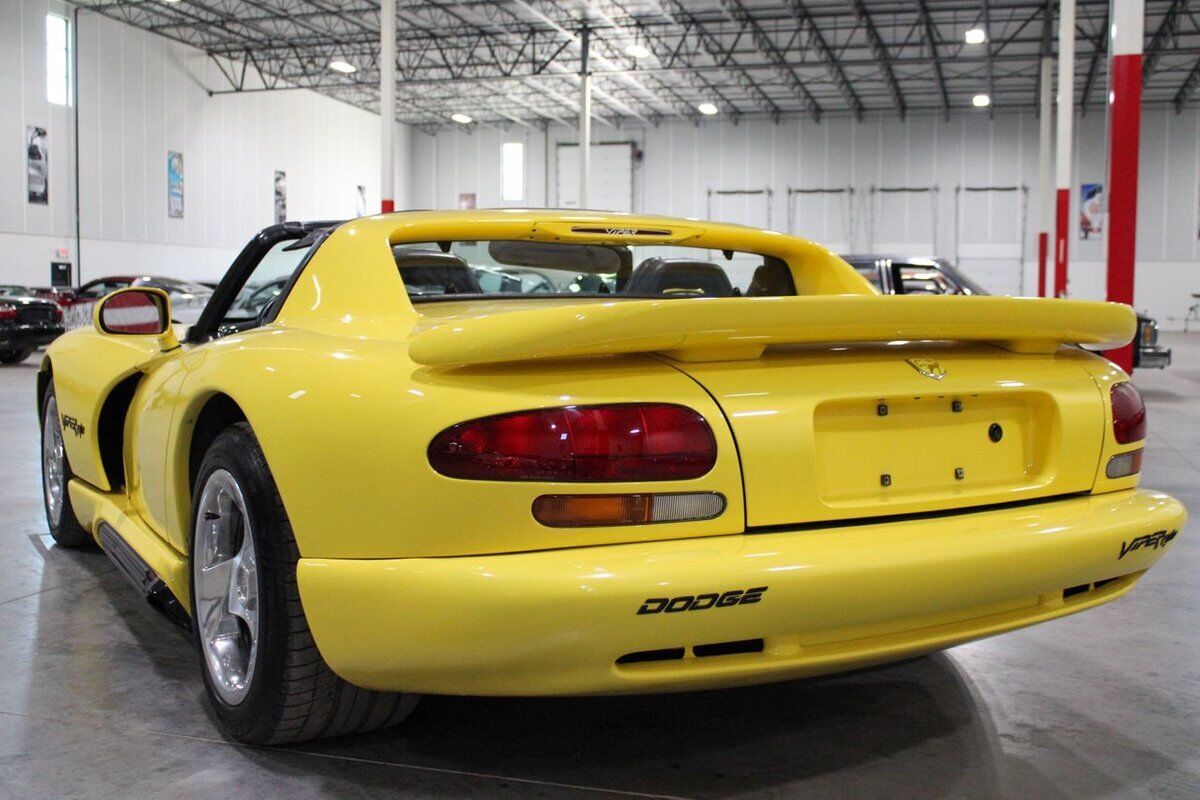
(1091,210)
(280,196)
(175,184)
(37,160)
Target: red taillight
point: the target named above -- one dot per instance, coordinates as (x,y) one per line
(1129,413)
(7,311)
(633,442)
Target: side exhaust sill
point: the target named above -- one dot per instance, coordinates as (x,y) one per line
(144,579)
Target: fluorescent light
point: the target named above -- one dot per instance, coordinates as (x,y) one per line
(637,51)
(975,36)
(460,118)
(981,101)
(344,67)
(707,109)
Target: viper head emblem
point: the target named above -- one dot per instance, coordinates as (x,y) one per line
(928,367)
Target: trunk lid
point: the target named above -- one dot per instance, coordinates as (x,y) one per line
(835,432)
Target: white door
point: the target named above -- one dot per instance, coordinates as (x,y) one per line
(902,220)
(610,183)
(741,206)
(989,236)
(825,216)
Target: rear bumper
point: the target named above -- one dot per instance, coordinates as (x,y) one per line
(24,337)
(556,622)
(1154,357)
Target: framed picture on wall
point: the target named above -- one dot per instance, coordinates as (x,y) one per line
(37,161)
(175,185)
(466,200)
(1091,210)
(280,196)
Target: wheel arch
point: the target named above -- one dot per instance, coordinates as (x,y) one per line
(110,431)
(44,376)
(216,413)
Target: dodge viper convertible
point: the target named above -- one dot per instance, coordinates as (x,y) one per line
(707,456)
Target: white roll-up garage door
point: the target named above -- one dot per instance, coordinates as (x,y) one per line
(611,179)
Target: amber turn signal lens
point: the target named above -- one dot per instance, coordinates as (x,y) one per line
(1124,464)
(591,510)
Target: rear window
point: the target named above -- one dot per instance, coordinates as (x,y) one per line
(520,268)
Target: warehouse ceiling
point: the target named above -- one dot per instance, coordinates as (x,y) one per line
(518,61)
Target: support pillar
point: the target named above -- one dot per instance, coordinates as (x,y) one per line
(1045,191)
(1066,115)
(585,120)
(387,105)
(1045,171)
(1124,123)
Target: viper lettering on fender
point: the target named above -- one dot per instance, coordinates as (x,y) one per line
(702,602)
(1155,540)
(73,425)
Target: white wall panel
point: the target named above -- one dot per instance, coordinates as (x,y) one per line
(141,96)
(683,161)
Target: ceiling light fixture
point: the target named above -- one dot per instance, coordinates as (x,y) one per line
(981,101)
(637,51)
(975,36)
(708,109)
(344,67)
(461,118)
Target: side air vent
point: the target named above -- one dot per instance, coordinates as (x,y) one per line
(698,650)
(1087,587)
(728,648)
(642,656)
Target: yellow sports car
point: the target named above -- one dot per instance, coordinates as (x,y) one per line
(696,455)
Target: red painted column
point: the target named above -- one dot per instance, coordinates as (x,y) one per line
(1062,229)
(1124,132)
(1043,252)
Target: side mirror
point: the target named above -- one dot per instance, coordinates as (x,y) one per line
(137,311)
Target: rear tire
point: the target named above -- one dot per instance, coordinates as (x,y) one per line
(14,356)
(264,676)
(56,475)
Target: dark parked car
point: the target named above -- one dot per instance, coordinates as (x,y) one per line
(187,297)
(26,323)
(916,275)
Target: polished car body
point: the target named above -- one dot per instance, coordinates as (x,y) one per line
(26,323)
(886,476)
(918,275)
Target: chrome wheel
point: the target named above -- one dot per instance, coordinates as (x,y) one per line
(53,460)
(225,576)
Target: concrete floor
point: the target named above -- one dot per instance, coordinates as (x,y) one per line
(100,697)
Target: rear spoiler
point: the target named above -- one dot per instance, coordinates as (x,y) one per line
(722,329)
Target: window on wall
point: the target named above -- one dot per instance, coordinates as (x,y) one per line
(58,60)
(512,169)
